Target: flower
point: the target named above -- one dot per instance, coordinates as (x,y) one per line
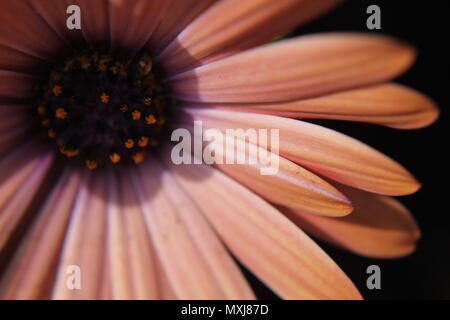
(157,230)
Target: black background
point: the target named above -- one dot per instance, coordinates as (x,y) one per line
(425,24)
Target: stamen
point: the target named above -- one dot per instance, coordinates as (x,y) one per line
(70,65)
(153,142)
(104,97)
(84,61)
(61,113)
(143,142)
(41,110)
(136,115)
(69,153)
(51,133)
(57,90)
(150,119)
(115,157)
(56,76)
(72,153)
(145,66)
(129,144)
(122,70)
(114,69)
(162,121)
(91,164)
(138,157)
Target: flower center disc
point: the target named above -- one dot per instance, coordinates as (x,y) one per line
(103,110)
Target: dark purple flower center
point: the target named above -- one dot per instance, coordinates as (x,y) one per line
(101,109)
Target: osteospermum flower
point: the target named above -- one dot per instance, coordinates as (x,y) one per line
(85,179)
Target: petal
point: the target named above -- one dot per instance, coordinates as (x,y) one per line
(195,261)
(299,68)
(54,13)
(12,137)
(178,16)
(13,60)
(85,243)
(390,104)
(379,227)
(283,182)
(132,261)
(95,22)
(31,271)
(134,21)
(234,25)
(22,173)
(23,30)
(262,239)
(325,151)
(13,116)
(16,86)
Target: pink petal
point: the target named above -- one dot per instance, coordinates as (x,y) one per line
(31,271)
(22,173)
(262,239)
(388,104)
(325,151)
(131,256)
(299,68)
(23,30)
(291,186)
(132,22)
(85,243)
(95,22)
(196,263)
(13,116)
(234,25)
(379,227)
(178,16)
(54,13)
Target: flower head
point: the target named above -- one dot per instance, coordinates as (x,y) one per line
(86,175)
